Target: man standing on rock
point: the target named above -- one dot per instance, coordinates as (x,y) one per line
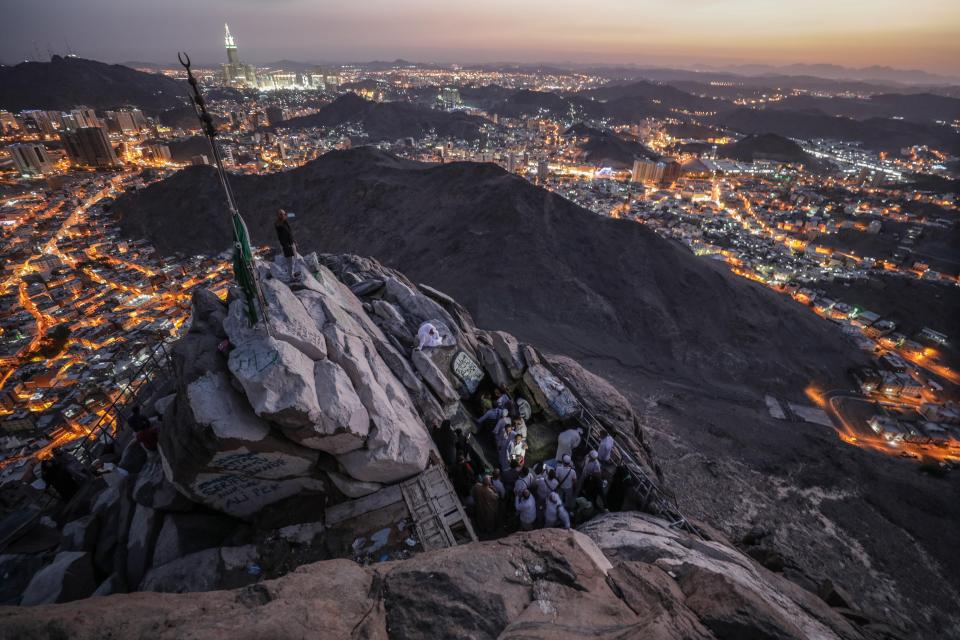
(287,243)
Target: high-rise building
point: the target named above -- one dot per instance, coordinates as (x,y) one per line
(449,98)
(647,171)
(85,117)
(233,56)
(31,158)
(123,121)
(8,123)
(90,146)
(235,72)
(39,122)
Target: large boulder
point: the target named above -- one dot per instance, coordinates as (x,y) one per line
(508,349)
(184,533)
(16,571)
(69,577)
(198,571)
(140,541)
(289,321)
(80,534)
(494,366)
(343,423)
(434,377)
(549,393)
(398,443)
(152,489)
(278,381)
(217,452)
(728,593)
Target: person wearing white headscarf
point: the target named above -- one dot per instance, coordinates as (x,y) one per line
(526,509)
(428,336)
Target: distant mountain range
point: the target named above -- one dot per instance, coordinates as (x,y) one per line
(875,73)
(389,120)
(65,82)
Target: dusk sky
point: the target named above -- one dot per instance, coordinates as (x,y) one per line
(922,34)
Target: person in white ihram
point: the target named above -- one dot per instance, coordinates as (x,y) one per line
(556,514)
(568,441)
(526,507)
(605,450)
(428,336)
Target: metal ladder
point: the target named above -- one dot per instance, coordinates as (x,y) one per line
(436,510)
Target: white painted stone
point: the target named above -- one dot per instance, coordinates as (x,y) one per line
(434,377)
(278,381)
(290,322)
(343,422)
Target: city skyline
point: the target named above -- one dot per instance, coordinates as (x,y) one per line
(923,36)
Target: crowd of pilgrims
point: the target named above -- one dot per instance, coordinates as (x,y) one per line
(564,491)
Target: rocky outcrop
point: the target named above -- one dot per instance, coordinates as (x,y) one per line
(68,577)
(711,582)
(623,576)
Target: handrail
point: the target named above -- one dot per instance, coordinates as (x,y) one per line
(157,361)
(666,506)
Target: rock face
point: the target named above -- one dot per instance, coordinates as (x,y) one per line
(624,576)
(68,577)
(723,591)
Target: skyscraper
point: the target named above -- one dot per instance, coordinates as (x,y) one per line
(90,146)
(235,72)
(232,56)
(31,158)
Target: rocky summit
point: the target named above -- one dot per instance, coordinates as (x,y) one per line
(282,495)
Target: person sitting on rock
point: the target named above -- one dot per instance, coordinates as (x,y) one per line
(287,243)
(567,441)
(567,481)
(518,449)
(428,336)
(555,514)
(526,509)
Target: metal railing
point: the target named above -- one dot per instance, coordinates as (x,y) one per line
(158,363)
(649,491)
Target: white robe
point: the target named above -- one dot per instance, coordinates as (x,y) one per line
(567,442)
(428,336)
(605,449)
(526,509)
